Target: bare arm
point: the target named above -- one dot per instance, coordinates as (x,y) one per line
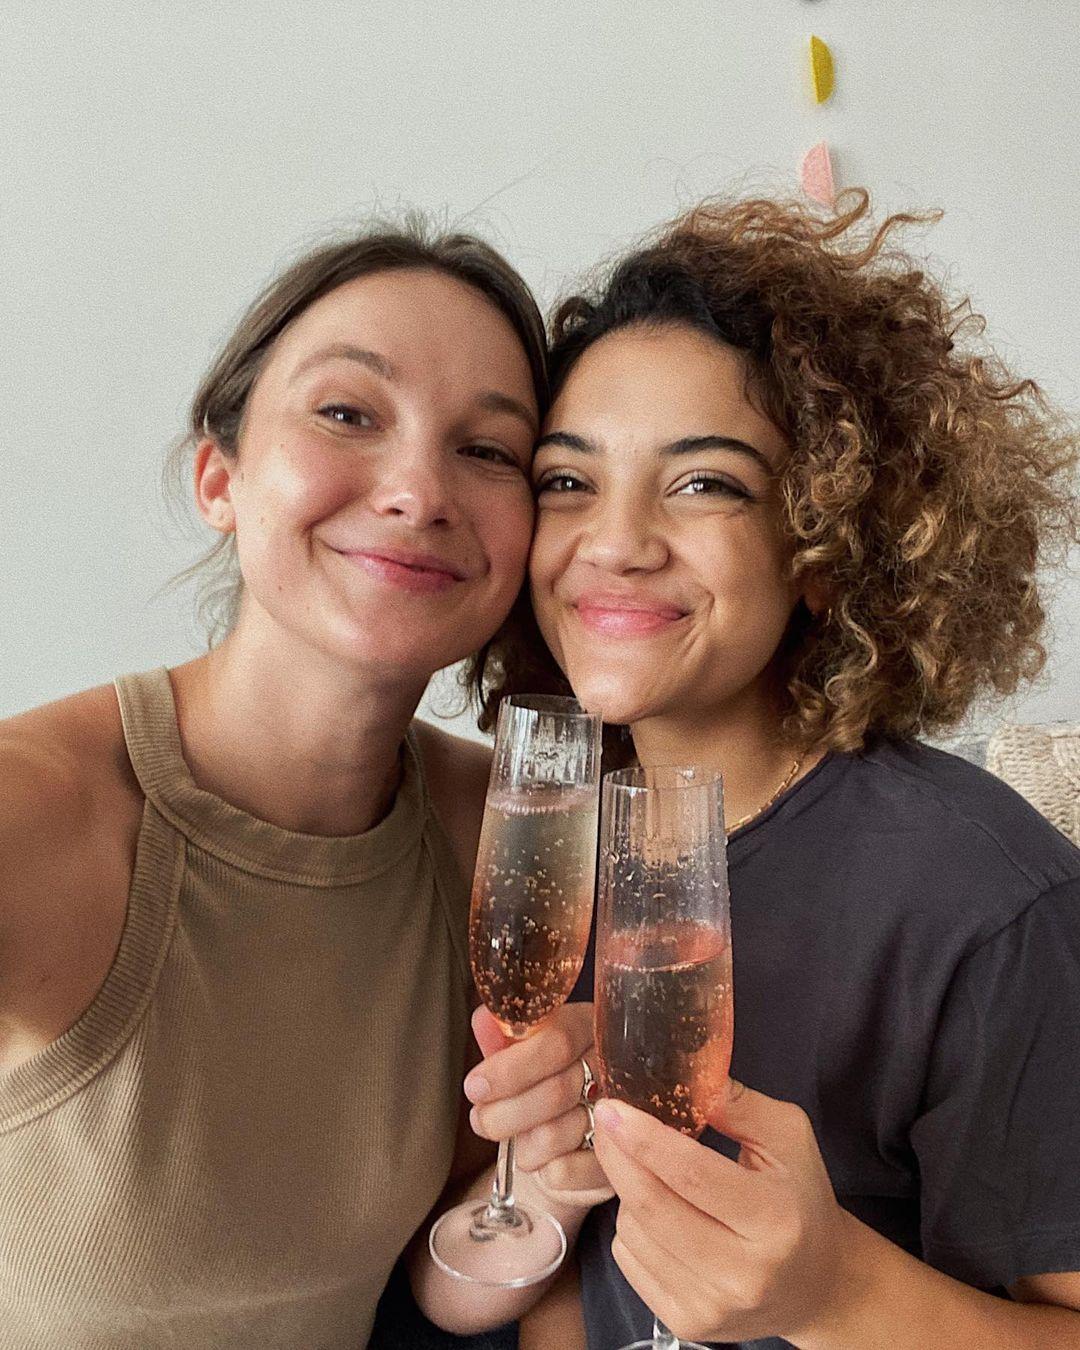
(68,822)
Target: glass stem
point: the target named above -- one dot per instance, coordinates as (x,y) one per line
(501,1208)
(662,1338)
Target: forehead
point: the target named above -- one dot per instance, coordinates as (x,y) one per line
(651,386)
(422,321)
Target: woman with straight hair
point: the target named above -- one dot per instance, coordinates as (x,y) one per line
(234,993)
(791,517)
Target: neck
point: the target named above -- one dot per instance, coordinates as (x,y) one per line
(743,741)
(285,733)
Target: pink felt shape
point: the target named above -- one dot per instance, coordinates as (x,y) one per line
(816,175)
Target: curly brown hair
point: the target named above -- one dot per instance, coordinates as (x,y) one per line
(926,484)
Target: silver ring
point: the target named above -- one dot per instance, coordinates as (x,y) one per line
(586,1145)
(588,1084)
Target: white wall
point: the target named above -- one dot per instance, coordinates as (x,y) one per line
(158,162)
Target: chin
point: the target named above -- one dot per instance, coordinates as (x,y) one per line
(619,701)
(392,653)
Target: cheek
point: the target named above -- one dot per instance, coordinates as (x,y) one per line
(291,488)
(307,488)
(546,621)
(505,531)
(749,579)
(553,549)
(280,497)
(551,553)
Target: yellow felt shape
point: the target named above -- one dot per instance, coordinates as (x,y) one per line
(821,66)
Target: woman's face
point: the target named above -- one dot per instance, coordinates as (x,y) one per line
(659,569)
(380,494)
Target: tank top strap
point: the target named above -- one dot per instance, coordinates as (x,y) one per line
(148,713)
(65,1065)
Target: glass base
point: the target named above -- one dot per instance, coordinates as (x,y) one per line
(472,1242)
(650,1344)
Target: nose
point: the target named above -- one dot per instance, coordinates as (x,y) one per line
(413,482)
(622,536)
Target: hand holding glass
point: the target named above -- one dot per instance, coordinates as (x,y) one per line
(529,923)
(664,1019)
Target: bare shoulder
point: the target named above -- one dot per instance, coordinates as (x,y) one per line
(457,773)
(56,762)
(69,816)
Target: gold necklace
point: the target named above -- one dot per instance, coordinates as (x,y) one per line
(788,780)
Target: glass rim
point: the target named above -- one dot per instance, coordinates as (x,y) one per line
(622,780)
(561,705)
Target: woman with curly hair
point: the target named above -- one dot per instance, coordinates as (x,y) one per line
(790,519)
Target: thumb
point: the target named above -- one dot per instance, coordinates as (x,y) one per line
(489,1035)
(768,1129)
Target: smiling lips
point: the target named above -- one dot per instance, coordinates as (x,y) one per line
(420,573)
(624,616)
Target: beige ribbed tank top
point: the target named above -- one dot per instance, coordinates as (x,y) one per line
(234,1142)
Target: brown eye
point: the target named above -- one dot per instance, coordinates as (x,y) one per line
(703,484)
(491,454)
(346,416)
(559,482)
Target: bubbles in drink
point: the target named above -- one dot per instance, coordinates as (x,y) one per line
(664,1020)
(532,900)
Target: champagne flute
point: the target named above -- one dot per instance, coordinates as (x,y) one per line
(529,924)
(664,1012)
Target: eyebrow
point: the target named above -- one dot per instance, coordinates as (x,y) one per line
(686,446)
(348,351)
(491,400)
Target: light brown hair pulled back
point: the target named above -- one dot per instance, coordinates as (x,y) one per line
(219,404)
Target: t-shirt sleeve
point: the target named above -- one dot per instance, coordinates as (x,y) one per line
(998,1139)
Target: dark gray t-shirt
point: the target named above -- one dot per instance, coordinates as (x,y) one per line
(906,943)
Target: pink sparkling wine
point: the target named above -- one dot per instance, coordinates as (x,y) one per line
(664,1020)
(532,901)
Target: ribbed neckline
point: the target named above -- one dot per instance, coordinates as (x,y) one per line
(148,711)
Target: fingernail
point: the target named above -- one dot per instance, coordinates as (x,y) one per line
(474,1122)
(477,1088)
(607,1116)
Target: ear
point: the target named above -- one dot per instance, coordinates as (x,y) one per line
(817,594)
(213,486)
